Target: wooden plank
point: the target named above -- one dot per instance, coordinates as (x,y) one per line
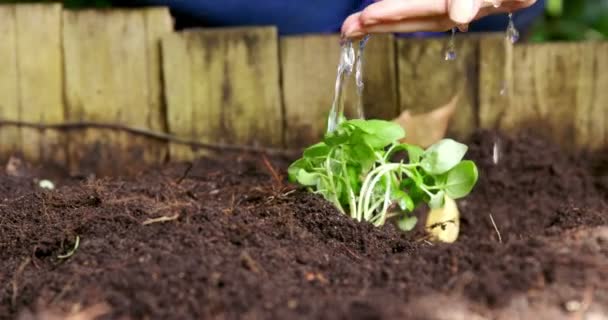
(40,78)
(178,85)
(158,24)
(380,94)
(234,90)
(10,137)
(308,65)
(591,119)
(551,88)
(493,70)
(107,59)
(427,81)
(309,70)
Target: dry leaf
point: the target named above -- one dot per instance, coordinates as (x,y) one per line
(427,128)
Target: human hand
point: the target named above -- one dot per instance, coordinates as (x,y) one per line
(424,15)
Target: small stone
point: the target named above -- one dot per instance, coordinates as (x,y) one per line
(46,184)
(573,306)
(292,304)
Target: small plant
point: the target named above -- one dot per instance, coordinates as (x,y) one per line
(354,167)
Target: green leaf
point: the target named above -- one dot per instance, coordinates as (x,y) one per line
(307,179)
(414,153)
(363,155)
(317,150)
(443,156)
(407,223)
(461,180)
(339,136)
(437,200)
(403,199)
(379,133)
(295,167)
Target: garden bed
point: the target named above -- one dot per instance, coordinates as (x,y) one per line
(240,243)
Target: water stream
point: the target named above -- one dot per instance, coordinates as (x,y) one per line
(348,60)
(345,68)
(511,37)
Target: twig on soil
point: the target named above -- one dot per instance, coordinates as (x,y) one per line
(14,283)
(179,181)
(161,219)
(71,252)
(354,255)
(82,125)
(273,172)
(496,228)
(249,263)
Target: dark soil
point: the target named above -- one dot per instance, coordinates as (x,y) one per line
(243,245)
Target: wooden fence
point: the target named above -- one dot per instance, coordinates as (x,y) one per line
(248,86)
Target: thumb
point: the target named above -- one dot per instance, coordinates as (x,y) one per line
(463,11)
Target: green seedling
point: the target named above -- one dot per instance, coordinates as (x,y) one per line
(354,168)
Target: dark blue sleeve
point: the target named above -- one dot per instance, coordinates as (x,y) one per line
(290,16)
(301,16)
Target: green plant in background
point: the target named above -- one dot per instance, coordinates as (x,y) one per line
(572,20)
(353,167)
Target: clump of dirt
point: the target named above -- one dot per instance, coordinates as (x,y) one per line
(233,242)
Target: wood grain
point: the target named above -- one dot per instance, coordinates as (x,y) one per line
(380,94)
(108,55)
(551,89)
(10,137)
(223,86)
(40,80)
(427,81)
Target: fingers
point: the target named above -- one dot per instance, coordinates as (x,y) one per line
(396,10)
(413,25)
(423,15)
(464,11)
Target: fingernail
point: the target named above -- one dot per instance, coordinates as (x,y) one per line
(353,32)
(463,27)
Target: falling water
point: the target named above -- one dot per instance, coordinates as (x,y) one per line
(345,68)
(359,77)
(450,51)
(511,37)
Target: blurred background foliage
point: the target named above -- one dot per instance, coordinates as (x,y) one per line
(564,20)
(572,20)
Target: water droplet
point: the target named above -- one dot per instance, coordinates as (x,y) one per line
(503,89)
(512,33)
(450,51)
(496,151)
(450,55)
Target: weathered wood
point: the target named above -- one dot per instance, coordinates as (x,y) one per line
(551,88)
(10,137)
(108,79)
(427,81)
(223,86)
(158,24)
(309,66)
(493,70)
(40,80)
(380,94)
(309,70)
(591,119)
